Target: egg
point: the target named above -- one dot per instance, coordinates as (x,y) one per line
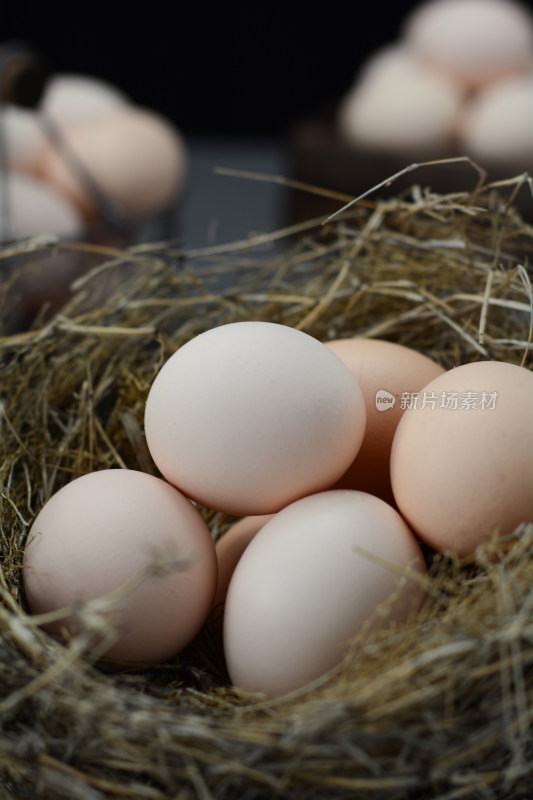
(24,137)
(399,105)
(76,98)
(230,548)
(249,416)
(475,41)
(100,531)
(136,158)
(392,58)
(315,574)
(34,208)
(388,374)
(462,459)
(497,123)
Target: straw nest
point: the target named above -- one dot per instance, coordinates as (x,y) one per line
(442,708)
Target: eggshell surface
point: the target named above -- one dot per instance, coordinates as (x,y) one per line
(230,548)
(389,374)
(498,122)
(249,416)
(101,530)
(34,208)
(135,157)
(462,460)
(308,582)
(75,98)
(23,137)
(399,104)
(475,40)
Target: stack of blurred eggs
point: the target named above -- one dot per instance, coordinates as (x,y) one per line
(458,81)
(343,453)
(86,155)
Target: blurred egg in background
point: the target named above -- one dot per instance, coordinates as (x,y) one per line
(497,123)
(474,41)
(400,106)
(36,207)
(23,137)
(454,80)
(135,158)
(79,162)
(76,98)
(129,120)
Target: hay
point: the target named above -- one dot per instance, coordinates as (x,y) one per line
(442,708)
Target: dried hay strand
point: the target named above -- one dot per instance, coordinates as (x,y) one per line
(439,708)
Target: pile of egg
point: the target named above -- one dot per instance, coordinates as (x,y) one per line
(135,157)
(458,80)
(340,457)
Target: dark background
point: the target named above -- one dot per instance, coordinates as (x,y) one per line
(241,81)
(245,69)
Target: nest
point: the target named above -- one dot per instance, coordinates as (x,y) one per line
(441,708)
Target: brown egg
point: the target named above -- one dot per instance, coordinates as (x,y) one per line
(462,460)
(135,157)
(230,548)
(389,374)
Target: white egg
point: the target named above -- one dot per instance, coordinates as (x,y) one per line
(96,534)
(23,136)
(311,580)
(34,207)
(136,157)
(476,40)
(398,104)
(75,98)
(498,123)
